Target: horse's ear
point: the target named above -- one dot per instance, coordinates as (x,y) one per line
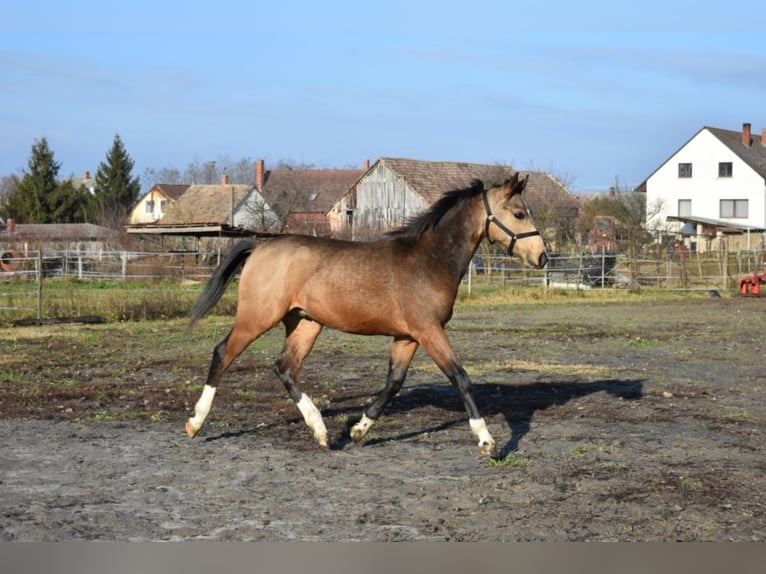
(509,184)
(519,186)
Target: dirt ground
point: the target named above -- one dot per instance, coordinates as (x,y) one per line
(616,421)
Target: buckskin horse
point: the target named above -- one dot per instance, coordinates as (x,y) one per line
(402,285)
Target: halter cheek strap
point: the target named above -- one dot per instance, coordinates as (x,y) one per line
(491,219)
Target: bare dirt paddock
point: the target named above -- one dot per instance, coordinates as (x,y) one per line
(632,420)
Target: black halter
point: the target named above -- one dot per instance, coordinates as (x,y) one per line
(491,219)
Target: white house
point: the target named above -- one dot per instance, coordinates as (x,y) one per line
(712,191)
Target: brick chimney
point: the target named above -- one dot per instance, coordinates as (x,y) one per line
(10,225)
(763,136)
(366,164)
(746,134)
(225,179)
(86,175)
(259,172)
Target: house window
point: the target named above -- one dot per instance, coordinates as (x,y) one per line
(724,169)
(734,208)
(149,206)
(684,170)
(684,207)
(163,205)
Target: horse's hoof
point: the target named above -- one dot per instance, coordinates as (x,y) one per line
(191,432)
(488,449)
(359,430)
(322,441)
(356,433)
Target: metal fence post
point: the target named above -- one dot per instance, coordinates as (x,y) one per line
(39,283)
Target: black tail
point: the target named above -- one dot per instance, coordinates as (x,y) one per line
(220,278)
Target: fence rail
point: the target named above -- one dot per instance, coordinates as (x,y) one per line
(690,271)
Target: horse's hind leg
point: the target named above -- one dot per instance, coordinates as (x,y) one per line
(437,345)
(402,351)
(224,353)
(300,336)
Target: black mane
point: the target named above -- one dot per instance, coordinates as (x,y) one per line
(416,226)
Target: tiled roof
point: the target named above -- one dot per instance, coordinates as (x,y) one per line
(307,190)
(172,191)
(431,179)
(206,204)
(754,154)
(60,232)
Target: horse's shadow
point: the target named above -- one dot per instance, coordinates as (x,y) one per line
(517,403)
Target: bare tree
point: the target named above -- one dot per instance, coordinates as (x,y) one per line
(240,171)
(629,212)
(167,175)
(7,186)
(289,190)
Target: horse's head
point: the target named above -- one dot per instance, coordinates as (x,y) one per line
(510,224)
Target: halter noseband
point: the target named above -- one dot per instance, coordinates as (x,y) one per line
(491,219)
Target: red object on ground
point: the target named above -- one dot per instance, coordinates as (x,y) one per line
(751,285)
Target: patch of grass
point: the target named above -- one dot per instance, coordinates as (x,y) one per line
(108,415)
(513,460)
(641,343)
(67,383)
(736,416)
(12,377)
(580,450)
(245,394)
(690,484)
(611,465)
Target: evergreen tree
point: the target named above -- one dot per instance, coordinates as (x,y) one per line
(116,190)
(69,204)
(30,200)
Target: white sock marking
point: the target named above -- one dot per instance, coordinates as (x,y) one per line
(313,418)
(479,428)
(202,408)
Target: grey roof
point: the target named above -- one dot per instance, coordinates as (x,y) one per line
(753,154)
(723,226)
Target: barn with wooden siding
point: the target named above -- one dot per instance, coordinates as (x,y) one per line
(396,189)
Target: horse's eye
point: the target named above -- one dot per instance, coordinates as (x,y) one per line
(519,215)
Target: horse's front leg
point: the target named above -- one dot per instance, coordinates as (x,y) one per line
(402,351)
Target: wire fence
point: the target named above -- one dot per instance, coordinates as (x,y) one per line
(27,280)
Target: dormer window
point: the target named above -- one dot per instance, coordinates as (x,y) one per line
(684,170)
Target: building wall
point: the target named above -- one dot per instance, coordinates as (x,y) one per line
(255,213)
(380,201)
(150,208)
(705,189)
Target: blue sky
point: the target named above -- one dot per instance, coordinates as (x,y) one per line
(594,92)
